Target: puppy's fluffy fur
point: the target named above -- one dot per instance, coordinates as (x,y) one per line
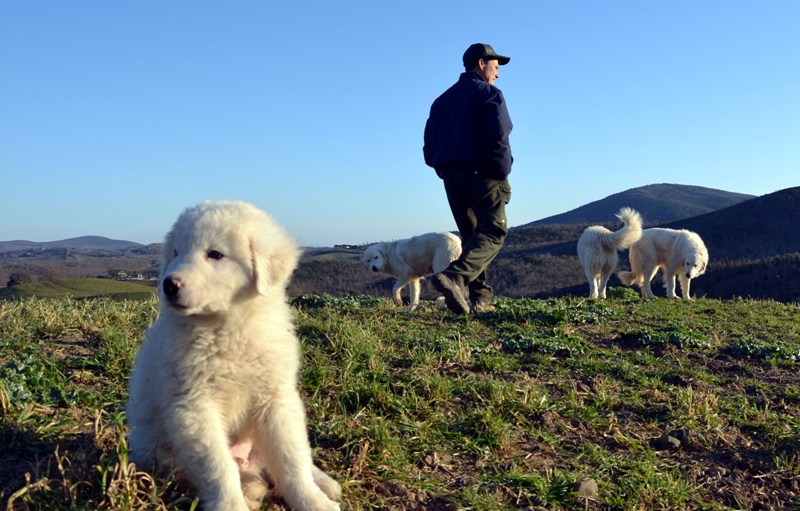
(412,259)
(214,389)
(679,253)
(597,249)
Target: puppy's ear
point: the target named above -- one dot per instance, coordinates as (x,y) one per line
(167,252)
(274,261)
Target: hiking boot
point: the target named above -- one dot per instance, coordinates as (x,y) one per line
(454,296)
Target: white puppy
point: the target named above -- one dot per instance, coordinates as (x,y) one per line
(214,389)
(677,252)
(597,249)
(412,259)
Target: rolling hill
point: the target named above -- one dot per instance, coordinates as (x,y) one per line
(82,242)
(754,244)
(761,227)
(754,249)
(658,204)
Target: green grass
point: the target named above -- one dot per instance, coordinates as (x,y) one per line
(79,288)
(498,411)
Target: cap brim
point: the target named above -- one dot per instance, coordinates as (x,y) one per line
(502,60)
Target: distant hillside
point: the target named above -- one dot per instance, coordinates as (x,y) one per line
(762,227)
(79,288)
(754,247)
(83,242)
(658,204)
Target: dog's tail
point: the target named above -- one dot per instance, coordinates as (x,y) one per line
(630,232)
(629,278)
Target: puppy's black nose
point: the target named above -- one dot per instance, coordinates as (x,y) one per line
(374,268)
(171,287)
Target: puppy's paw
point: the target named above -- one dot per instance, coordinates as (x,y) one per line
(327,505)
(255,490)
(327,484)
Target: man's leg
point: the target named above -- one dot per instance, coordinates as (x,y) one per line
(458,198)
(486,200)
(450,283)
(478,207)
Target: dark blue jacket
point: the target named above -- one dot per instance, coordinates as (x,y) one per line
(468,129)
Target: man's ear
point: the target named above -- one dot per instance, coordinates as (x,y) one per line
(273,263)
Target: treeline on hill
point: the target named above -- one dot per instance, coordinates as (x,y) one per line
(537,262)
(524,275)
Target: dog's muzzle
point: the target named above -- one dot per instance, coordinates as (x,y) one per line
(171,287)
(374,268)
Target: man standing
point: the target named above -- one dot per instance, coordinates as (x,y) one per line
(466,142)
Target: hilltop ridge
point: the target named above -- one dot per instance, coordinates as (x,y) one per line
(81,242)
(657,203)
(754,247)
(764,226)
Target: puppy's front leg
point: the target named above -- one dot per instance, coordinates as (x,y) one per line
(201,448)
(287,456)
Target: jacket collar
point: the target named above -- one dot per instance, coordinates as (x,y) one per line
(471,75)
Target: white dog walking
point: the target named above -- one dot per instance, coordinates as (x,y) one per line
(214,389)
(597,249)
(677,252)
(412,259)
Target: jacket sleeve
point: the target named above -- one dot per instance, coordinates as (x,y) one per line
(496,127)
(426,144)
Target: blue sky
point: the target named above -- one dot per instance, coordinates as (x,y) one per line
(116,116)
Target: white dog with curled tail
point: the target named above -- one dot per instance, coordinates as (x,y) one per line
(598,247)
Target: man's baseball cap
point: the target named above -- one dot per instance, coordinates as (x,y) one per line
(482,51)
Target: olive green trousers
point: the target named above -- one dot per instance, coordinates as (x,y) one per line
(479,209)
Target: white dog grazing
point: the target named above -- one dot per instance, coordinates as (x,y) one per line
(597,249)
(677,252)
(412,259)
(214,388)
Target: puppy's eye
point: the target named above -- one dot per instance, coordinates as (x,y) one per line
(215,255)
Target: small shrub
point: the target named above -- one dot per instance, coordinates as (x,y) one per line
(549,342)
(679,336)
(754,348)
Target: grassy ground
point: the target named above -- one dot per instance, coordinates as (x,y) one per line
(659,404)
